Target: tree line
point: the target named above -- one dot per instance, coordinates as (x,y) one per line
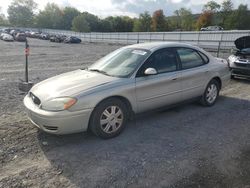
(22,13)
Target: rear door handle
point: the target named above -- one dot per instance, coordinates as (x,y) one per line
(175,78)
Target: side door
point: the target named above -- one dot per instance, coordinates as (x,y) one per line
(194,72)
(163,88)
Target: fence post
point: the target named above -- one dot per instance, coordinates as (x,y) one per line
(127,37)
(138,38)
(218,50)
(198,41)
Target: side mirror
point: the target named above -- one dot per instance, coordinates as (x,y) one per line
(150,71)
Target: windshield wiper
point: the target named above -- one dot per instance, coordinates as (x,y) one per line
(100,71)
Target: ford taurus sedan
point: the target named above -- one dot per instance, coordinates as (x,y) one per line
(130,80)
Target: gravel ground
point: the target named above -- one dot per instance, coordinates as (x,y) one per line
(188,146)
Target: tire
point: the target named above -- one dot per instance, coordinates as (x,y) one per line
(109,118)
(210,94)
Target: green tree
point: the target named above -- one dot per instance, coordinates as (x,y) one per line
(3,20)
(211,6)
(21,12)
(184,19)
(158,21)
(105,25)
(143,23)
(226,11)
(50,17)
(80,24)
(93,20)
(68,14)
(121,23)
(240,18)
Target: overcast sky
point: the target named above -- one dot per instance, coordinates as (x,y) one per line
(104,8)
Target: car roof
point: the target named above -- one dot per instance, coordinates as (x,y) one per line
(153,46)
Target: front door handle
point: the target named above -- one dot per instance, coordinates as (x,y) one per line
(174,78)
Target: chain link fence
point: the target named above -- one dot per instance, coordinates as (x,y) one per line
(219,43)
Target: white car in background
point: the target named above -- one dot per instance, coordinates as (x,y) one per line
(212,28)
(6,37)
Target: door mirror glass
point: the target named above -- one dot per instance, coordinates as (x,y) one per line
(150,71)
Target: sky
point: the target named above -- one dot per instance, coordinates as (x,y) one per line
(132,8)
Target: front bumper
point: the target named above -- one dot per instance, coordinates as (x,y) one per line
(62,122)
(240,69)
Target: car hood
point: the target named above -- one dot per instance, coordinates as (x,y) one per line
(242,42)
(70,84)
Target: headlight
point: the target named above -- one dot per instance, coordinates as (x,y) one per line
(58,104)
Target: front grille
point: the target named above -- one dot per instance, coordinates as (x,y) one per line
(241,72)
(51,128)
(35,99)
(243,65)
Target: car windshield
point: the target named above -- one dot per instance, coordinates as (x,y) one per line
(120,63)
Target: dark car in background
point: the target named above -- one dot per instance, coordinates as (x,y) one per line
(21,37)
(72,40)
(44,36)
(239,62)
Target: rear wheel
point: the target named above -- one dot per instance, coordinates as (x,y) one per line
(211,93)
(109,118)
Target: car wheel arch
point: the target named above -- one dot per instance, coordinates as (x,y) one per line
(122,99)
(218,80)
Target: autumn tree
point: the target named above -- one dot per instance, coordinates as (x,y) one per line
(21,12)
(143,23)
(204,20)
(213,8)
(158,21)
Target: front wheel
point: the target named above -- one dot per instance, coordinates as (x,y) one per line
(109,118)
(211,93)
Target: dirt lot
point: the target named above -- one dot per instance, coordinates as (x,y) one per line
(189,146)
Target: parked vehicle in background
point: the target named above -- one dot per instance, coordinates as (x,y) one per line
(21,37)
(72,40)
(240,61)
(212,28)
(27,33)
(5,30)
(57,38)
(44,36)
(7,37)
(34,34)
(129,80)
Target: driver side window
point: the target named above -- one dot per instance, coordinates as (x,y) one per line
(162,61)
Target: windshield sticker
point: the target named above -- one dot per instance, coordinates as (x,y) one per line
(139,52)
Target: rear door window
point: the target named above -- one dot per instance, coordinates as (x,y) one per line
(190,58)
